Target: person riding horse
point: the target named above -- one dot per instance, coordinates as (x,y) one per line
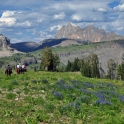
(23,68)
(18,68)
(8,70)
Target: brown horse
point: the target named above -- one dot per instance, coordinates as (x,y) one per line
(18,70)
(8,71)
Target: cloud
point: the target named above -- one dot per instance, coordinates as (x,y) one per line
(14,40)
(7,14)
(24,24)
(55,27)
(7,22)
(101,10)
(18,19)
(119,8)
(88,16)
(38,19)
(59,16)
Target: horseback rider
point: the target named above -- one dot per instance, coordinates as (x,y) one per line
(17,66)
(8,68)
(20,66)
(17,69)
(24,68)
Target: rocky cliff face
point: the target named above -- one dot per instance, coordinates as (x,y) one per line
(89,33)
(5,47)
(66,31)
(4,42)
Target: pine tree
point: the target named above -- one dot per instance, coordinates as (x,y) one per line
(49,61)
(69,65)
(75,65)
(56,61)
(111,69)
(86,70)
(122,67)
(93,62)
(119,71)
(80,64)
(46,58)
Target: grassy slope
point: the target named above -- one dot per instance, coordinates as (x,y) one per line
(59,98)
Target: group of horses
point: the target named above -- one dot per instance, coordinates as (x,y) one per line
(8,71)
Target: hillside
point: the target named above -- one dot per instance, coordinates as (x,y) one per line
(105,51)
(50,97)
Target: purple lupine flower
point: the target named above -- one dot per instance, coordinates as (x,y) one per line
(58,95)
(102,101)
(121,98)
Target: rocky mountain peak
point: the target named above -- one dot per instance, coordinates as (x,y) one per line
(94,29)
(89,33)
(70,24)
(90,27)
(4,41)
(66,31)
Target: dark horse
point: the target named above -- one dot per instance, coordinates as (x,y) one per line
(23,70)
(8,71)
(18,70)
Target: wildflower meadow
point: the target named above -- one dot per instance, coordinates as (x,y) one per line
(60,98)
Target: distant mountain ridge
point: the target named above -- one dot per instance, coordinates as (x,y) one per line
(25,46)
(69,34)
(89,33)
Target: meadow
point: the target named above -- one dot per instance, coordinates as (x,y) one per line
(60,98)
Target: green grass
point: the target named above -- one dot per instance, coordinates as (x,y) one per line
(60,98)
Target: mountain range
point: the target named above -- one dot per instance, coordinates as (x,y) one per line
(69,34)
(89,33)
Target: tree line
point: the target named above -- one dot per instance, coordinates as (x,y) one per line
(89,67)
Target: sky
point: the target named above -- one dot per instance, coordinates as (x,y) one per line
(36,20)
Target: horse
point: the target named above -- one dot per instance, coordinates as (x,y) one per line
(8,72)
(23,70)
(18,70)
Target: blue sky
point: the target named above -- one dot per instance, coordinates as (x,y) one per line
(35,20)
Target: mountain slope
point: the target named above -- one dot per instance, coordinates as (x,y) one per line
(25,46)
(105,51)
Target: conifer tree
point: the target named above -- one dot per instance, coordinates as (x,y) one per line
(75,65)
(80,64)
(86,71)
(119,71)
(69,65)
(49,61)
(56,61)
(111,69)
(93,62)
(122,67)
